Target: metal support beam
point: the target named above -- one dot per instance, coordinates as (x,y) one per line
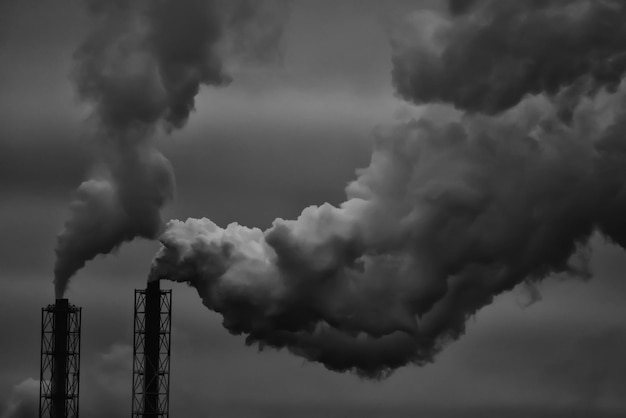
(151,352)
(60,360)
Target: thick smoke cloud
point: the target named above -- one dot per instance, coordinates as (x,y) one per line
(454,208)
(486,55)
(145,62)
(140,69)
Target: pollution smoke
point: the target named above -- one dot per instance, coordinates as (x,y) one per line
(486,55)
(141,69)
(454,208)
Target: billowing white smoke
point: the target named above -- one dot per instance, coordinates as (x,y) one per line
(141,69)
(501,184)
(452,210)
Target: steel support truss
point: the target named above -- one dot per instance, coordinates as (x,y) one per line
(60,360)
(151,352)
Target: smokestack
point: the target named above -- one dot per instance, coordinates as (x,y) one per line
(151,370)
(60,360)
(151,351)
(59,381)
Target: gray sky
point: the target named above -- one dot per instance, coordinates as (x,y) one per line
(274,141)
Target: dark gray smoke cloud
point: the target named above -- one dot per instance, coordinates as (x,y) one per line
(453,210)
(486,55)
(146,61)
(255,30)
(140,69)
(455,207)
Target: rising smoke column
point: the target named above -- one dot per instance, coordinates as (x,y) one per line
(454,208)
(141,69)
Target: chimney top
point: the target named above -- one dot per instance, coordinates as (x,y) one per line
(62,303)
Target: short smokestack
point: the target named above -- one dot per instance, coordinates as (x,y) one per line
(60,360)
(151,352)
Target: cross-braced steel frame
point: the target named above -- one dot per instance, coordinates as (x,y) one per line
(60,360)
(151,352)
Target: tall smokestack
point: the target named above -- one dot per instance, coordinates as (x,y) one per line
(60,360)
(151,352)
(59,381)
(151,370)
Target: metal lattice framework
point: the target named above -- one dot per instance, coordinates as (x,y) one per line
(151,352)
(60,360)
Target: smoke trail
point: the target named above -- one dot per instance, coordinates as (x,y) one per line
(141,69)
(488,54)
(453,209)
(450,212)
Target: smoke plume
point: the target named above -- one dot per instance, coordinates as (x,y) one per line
(454,208)
(486,55)
(23,401)
(140,69)
(255,31)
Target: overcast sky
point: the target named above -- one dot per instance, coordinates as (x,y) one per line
(274,141)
